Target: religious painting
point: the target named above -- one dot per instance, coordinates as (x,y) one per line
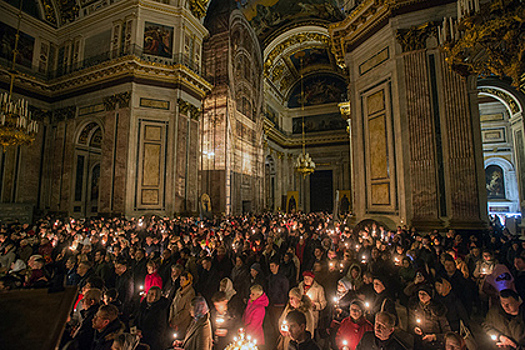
(158,40)
(494,182)
(266,15)
(317,123)
(318,90)
(205,206)
(310,57)
(292,201)
(26,45)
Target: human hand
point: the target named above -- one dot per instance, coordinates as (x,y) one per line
(418,331)
(177,343)
(430,337)
(506,341)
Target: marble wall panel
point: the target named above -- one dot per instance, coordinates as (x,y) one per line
(151,165)
(121,161)
(378,148)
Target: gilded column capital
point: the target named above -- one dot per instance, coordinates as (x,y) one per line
(198,8)
(415,38)
(188,109)
(123,100)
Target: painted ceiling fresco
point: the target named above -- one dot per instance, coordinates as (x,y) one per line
(318,89)
(266,16)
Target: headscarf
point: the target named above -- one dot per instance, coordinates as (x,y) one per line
(447,287)
(18,265)
(200,308)
(189,279)
(228,288)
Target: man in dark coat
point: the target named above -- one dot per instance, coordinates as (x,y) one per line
(152,319)
(208,280)
(278,287)
(301,339)
(382,337)
(505,321)
(107,327)
(125,286)
(84,334)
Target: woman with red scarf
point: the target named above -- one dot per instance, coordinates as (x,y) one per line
(353,327)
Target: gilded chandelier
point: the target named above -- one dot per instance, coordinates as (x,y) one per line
(16,126)
(304,163)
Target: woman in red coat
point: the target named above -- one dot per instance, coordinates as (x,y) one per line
(254,314)
(152,278)
(353,327)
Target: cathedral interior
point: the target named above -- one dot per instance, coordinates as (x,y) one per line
(411,110)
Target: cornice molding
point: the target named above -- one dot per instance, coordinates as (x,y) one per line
(289,141)
(107,71)
(367,18)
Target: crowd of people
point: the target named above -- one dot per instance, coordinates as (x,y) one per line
(301,281)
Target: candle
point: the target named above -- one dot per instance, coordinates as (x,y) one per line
(175,335)
(284,326)
(367,304)
(494,337)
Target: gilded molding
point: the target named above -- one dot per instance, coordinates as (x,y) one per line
(198,8)
(490,42)
(514,108)
(68,11)
(188,109)
(123,100)
(415,38)
(293,40)
(40,115)
(49,11)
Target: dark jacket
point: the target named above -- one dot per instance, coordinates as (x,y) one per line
(125,287)
(455,310)
(152,320)
(83,336)
(278,287)
(208,283)
(432,321)
(104,340)
(370,342)
(309,344)
(499,322)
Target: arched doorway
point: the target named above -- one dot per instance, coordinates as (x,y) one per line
(86,182)
(503,140)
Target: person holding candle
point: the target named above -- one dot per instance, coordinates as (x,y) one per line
(254,314)
(224,320)
(297,301)
(301,338)
(427,319)
(505,321)
(199,335)
(382,338)
(180,309)
(382,299)
(353,327)
(315,292)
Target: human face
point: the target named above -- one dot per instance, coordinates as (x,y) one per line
(153,296)
(98,257)
(82,269)
(274,268)
(206,264)
(452,344)
(254,273)
(295,330)
(175,273)
(183,280)
(308,280)
(238,262)
(519,264)
(151,269)
(510,305)
(294,301)
(120,269)
(382,329)
(439,288)
(450,267)
(99,321)
(355,312)
(424,297)
(115,346)
(254,295)
(379,287)
(139,255)
(487,257)
(221,306)
(354,273)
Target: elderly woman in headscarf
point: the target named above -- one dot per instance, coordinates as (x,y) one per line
(342,299)
(180,310)
(300,302)
(235,303)
(199,335)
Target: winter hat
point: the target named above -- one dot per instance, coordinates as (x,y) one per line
(256,267)
(345,282)
(425,288)
(309,274)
